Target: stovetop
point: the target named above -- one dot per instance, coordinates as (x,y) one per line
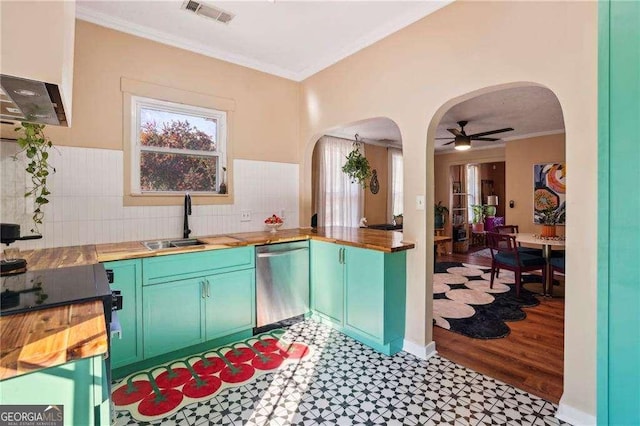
(47,288)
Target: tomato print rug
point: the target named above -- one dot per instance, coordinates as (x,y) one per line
(163,390)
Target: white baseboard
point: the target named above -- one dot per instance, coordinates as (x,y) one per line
(572,415)
(422,352)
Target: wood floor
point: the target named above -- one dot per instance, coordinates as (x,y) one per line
(530,358)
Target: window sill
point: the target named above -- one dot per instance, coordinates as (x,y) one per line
(175,199)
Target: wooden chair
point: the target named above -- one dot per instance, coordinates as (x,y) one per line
(513,229)
(505,255)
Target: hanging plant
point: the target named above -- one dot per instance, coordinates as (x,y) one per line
(36,147)
(357,166)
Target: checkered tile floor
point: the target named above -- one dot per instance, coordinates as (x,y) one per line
(347,383)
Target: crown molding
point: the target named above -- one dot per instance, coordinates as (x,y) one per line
(425,8)
(86,14)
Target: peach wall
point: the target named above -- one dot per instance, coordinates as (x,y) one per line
(521,155)
(375,205)
(266,116)
(415,75)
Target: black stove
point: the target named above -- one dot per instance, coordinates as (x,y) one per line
(47,288)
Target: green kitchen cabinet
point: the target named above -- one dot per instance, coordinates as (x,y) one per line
(360,292)
(192,298)
(126,347)
(327,281)
(230,303)
(79,387)
(173,315)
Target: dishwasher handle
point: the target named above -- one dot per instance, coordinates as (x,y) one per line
(280,253)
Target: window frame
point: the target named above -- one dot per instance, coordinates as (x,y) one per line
(139,102)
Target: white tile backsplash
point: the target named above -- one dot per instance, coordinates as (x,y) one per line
(86,201)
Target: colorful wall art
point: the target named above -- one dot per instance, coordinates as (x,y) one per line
(549,193)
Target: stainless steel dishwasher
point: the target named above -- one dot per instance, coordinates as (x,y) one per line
(282,281)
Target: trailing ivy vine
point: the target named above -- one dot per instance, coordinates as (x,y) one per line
(35,145)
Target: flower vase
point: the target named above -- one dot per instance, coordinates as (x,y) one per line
(548,231)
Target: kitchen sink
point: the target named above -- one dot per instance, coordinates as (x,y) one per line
(166,244)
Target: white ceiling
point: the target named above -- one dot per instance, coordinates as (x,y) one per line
(377,131)
(291,39)
(531,111)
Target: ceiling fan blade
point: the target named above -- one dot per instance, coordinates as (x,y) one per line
(448,143)
(455,132)
(485,139)
(444,138)
(492,132)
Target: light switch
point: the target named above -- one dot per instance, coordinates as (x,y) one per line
(419,202)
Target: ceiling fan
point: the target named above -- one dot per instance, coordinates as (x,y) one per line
(463,141)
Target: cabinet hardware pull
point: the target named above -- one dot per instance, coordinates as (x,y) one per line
(208,288)
(203,290)
(340,255)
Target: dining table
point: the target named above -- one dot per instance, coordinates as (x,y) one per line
(547,243)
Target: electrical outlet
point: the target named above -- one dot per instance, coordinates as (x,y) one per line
(419,202)
(245,216)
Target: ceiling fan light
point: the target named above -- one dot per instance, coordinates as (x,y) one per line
(462,144)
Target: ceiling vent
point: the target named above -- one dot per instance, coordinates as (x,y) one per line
(208,11)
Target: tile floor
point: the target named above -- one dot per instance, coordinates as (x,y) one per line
(346,383)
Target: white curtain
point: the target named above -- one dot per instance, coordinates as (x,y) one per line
(395,182)
(338,201)
(473,187)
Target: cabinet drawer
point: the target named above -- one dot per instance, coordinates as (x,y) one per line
(177,266)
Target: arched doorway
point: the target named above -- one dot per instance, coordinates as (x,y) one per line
(337,199)
(493,324)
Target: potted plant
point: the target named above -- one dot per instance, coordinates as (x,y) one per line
(478,218)
(489,210)
(441,213)
(36,146)
(357,166)
(549,219)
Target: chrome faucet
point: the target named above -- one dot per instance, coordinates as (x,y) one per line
(187,212)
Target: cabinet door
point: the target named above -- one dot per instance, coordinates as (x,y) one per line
(126,348)
(327,280)
(173,316)
(230,303)
(364,292)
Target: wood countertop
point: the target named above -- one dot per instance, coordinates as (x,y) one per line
(60,257)
(46,338)
(387,241)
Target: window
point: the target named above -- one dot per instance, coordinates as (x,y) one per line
(176,147)
(338,201)
(395,195)
(473,188)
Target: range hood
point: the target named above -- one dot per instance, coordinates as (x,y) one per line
(36,71)
(29,100)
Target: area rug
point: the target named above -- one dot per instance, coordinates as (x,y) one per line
(464,303)
(482,253)
(163,390)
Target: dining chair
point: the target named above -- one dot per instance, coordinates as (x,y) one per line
(556,264)
(513,229)
(505,255)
